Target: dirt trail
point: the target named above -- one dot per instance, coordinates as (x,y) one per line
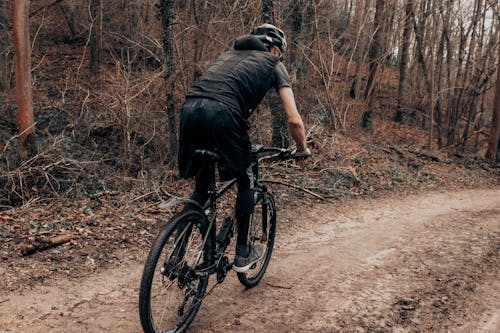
(428,262)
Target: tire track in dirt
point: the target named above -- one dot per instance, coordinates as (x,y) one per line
(423,263)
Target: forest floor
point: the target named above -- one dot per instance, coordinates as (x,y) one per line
(426,262)
(373,237)
(376,234)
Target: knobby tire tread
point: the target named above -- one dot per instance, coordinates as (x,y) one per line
(168,230)
(243,277)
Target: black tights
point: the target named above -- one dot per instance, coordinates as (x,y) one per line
(244,200)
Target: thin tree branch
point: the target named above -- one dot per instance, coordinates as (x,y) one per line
(295,187)
(33,13)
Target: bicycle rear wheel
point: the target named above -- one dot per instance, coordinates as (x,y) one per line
(261,235)
(172,287)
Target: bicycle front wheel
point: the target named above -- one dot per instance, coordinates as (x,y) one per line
(261,235)
(173,285)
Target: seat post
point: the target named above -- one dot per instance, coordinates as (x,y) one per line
(209,160)
(212,191)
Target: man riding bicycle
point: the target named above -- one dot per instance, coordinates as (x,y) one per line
(214,117)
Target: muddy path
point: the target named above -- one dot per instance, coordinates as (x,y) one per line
(424,263)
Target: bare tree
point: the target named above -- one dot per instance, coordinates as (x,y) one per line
(493,152)
(405,43)
(445,13)
(95,35)
(68,11)
(359,52)
(296,9)
(167,18)
(280,136)
(374,54)
(24,97)
(268,11)
(200,21)
(5,49)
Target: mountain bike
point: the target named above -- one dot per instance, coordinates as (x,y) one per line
(189,249)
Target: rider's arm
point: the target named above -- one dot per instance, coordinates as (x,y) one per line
(295,123)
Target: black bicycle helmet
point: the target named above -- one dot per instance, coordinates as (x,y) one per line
(271,35)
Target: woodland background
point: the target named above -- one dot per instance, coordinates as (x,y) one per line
(412,79)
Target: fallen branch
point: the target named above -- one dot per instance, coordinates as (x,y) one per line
(295,187)
(430,155)
(142,197)
(103,193)
(44,244)
(278,286)
(168,194)
(397,150)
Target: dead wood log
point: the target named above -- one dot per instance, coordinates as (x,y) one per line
(397,150)
(429,155)
(41,244)
(295,187)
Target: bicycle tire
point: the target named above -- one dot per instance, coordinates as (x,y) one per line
(253,276)
(171,252)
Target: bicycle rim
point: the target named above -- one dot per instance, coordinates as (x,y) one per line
(261,235)
(171,288)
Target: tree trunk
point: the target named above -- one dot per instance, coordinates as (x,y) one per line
(24,96)
(374,55)
(68,11)
(478,63)
(445,10)
(420,47)
(280,137)
(456,102)
(95,10)
(432,35)
(167,18)
(268,11)
(398,117)
(200,21)
(359,49)
(5,50)
(493,152)
(296,28)
(467,96)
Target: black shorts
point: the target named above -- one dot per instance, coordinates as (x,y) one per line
(208,124)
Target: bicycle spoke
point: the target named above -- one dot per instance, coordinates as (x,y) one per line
(175,287)
(176,274)
(261,235)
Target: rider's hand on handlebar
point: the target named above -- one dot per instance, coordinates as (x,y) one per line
(301,154)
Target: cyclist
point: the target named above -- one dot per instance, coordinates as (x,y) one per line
(214,116)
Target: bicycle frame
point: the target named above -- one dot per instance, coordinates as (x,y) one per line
(214,193)
(206,250)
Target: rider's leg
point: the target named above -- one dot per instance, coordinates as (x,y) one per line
(246,255)
(244,210)
(200,194)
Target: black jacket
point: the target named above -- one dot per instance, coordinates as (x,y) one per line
(239,78)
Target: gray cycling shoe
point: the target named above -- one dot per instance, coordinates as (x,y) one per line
(243,264)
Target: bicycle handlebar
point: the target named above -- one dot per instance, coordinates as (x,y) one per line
(282,153)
